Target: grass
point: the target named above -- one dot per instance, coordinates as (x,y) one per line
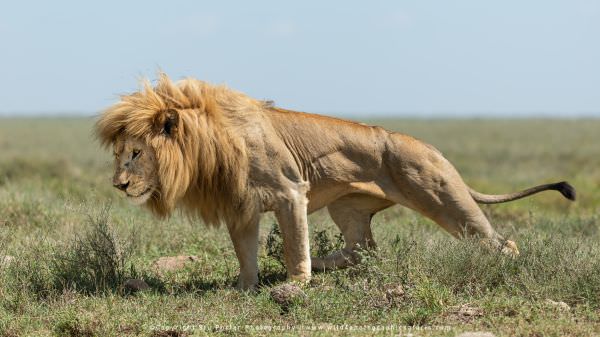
(75,241)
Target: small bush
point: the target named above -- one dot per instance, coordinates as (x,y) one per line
(96,261)
(323,244)
(69,325)
(274,244)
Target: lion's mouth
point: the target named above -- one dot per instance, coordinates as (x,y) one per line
(148,190)
(142,197)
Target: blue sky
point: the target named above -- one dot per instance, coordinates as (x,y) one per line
(392,58)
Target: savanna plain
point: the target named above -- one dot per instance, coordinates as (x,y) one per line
(69,241)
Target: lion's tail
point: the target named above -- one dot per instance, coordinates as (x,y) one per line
(563,187)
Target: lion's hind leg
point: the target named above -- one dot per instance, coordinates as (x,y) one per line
(431,186)
(352,214)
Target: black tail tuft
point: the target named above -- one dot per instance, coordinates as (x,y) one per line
(566,190)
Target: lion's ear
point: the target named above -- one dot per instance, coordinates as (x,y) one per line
(168,123)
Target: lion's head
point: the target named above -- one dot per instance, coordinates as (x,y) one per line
(135,169)
(175,145)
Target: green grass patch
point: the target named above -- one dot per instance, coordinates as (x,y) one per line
(71,254)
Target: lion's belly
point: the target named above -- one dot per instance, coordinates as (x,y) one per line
(320,197)
(323,195)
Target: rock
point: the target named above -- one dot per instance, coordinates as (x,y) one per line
(6,260)
(394,292)
(173,263)
(467,310)
(135,285)
(476,334)
(286,294)
(562,306)
(465,313)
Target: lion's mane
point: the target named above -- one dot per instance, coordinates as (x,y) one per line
(202,161)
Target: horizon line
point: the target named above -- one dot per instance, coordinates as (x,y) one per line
(383,115)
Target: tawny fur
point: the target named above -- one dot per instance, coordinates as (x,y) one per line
(224,157)
(204,169)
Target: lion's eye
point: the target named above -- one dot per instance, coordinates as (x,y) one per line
(136,153)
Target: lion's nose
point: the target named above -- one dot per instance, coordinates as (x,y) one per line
(120,186)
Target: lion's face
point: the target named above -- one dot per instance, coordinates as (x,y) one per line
(135,169)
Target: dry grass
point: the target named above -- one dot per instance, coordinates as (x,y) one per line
(66,276)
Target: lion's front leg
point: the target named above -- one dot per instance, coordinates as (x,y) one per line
(245,242)
(292,218)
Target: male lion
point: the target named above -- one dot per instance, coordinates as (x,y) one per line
(225,157)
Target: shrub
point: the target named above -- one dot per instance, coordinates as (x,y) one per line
(323,244)
(96,261)
(274,244)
